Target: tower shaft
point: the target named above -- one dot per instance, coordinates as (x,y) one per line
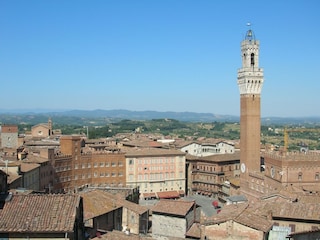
(250,81)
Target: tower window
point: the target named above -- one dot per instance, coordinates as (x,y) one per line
(252,59)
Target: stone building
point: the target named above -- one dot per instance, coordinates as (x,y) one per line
(173,218)
(206,147)
(9,136)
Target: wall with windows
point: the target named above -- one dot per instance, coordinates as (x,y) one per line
(156,173)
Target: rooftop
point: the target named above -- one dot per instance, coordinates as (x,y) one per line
(39,213)
(175,207)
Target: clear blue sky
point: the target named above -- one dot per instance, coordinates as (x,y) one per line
(162,55)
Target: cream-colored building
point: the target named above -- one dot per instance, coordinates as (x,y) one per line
(42,130)
(156,170)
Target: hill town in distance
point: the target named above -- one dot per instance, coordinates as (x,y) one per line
(137,185)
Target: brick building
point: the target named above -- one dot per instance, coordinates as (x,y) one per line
(208,175)
(75,169)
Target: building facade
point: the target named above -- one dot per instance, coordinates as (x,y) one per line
(75,169)
(156,170)
(209,175)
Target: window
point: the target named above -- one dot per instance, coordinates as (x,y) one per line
(317,176)
(252,59)
(300,176)
(130,161)
(293,227)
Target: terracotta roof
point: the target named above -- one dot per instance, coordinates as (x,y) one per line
(223,157)
(168,194)
(175,207)
(147,195)
(293,210)
(96,203)
(242,214)
(143,143)
(228,212)
(254,221)
(133,206)
(39,213)
(27,167)
(35,159)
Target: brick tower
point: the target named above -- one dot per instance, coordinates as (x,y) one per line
(250,81)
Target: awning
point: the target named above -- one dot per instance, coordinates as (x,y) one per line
(149,195)
(168,194)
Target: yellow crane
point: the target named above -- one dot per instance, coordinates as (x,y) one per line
(286,134)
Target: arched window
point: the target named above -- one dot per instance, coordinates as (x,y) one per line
(252,59)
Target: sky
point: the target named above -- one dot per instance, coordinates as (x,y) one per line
(161,55)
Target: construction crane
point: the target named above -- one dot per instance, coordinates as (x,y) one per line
(286,134)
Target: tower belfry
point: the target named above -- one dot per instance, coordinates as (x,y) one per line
(250,81)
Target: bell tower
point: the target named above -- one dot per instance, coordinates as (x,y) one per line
(250,81)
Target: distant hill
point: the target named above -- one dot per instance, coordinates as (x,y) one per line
(102,117)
